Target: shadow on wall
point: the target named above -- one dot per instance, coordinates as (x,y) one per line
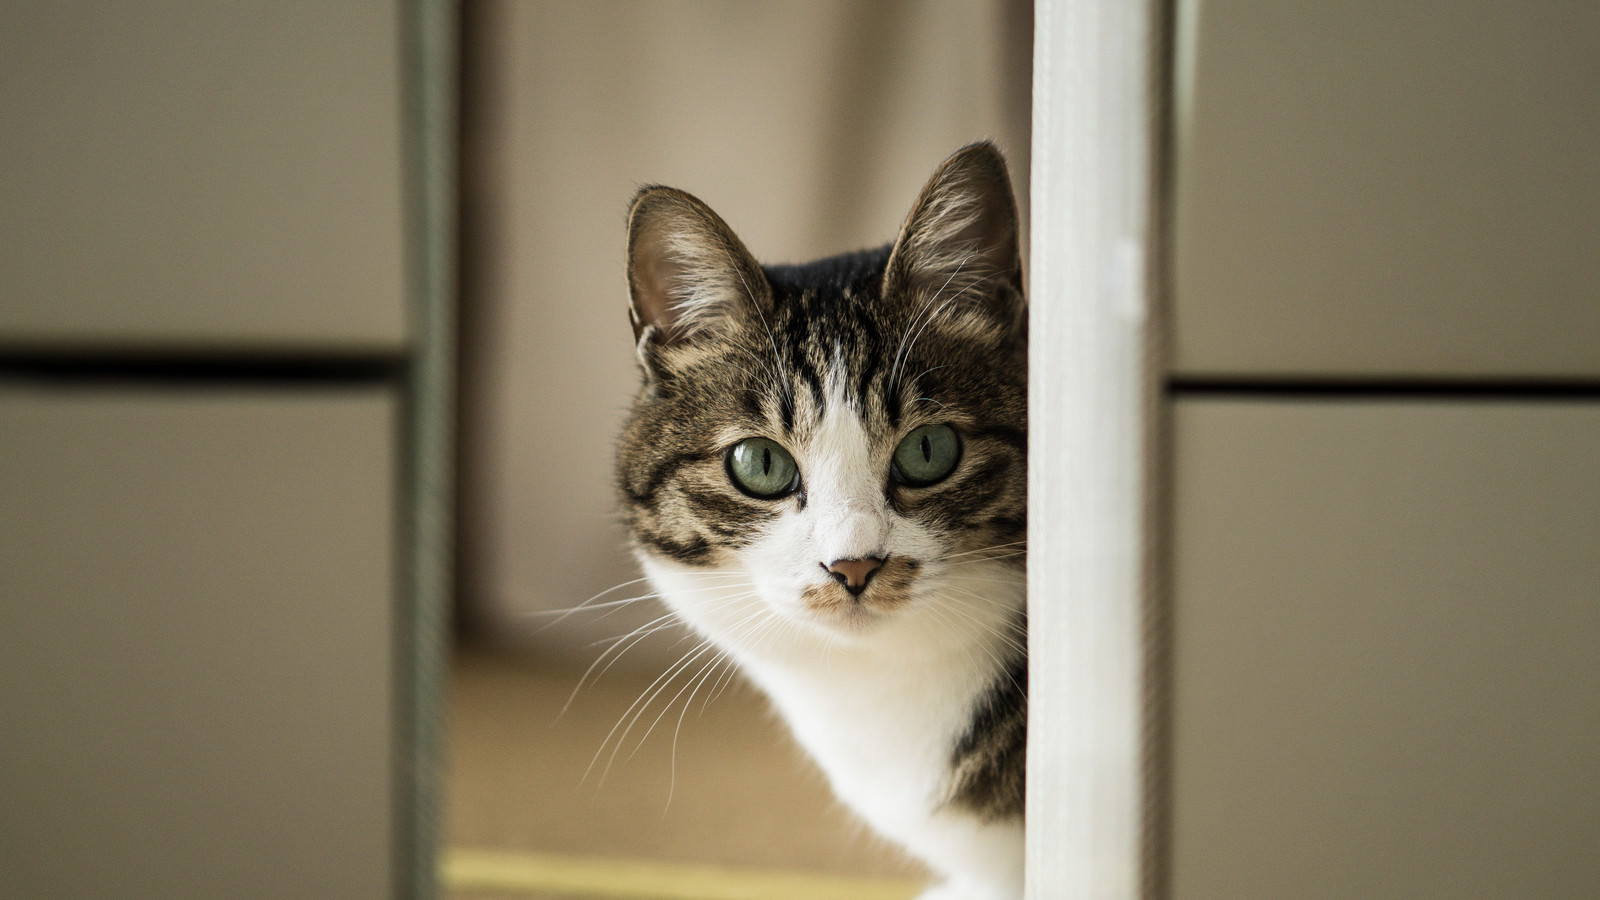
(808,126)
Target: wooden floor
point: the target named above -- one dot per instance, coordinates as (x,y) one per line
(569,805)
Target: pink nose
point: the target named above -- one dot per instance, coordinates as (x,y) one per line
(854,573)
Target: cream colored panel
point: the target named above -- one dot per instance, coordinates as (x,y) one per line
(196,593)
(183,171)
(1387,681)
(1372,188)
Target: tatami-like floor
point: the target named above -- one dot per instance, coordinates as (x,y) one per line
(698,800)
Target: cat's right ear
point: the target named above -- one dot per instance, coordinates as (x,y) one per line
(688,273)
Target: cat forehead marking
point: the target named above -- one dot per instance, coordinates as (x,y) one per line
(846,484)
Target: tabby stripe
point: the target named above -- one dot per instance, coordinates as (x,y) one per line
(808,373)
(1010,527)
(979,489)
(659,476)
(696,551)
(721,508)
(990,758)
(1016,438)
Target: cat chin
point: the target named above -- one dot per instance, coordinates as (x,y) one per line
(847,624)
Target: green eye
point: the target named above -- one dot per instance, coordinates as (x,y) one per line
(927,455)
(763,469)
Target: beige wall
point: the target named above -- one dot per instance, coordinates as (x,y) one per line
(809,126)
(204,574)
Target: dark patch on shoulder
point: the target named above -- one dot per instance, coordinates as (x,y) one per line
(990,759)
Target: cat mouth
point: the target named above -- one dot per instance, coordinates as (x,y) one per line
(888,590)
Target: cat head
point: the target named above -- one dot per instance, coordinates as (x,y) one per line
(838,438)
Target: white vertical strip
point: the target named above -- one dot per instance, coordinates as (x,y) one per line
(1091,154)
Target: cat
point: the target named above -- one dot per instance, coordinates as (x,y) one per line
(824,473)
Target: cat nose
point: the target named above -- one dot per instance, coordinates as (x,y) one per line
(854,573)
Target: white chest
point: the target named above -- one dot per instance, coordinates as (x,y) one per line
(884,734)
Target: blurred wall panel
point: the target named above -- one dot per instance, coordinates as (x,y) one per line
(1385,673)
(190,175)
(1376,189)
(808,126)
(1383,434)
(196,617)
(217,421)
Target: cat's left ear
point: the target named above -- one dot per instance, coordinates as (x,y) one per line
(959,245)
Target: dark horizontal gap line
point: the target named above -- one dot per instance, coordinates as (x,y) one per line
(1388,388)
(201,368)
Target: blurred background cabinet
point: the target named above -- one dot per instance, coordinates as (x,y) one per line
(218,329)
(1386,681)
(196,641)
(1385,440)
(1373,189)
(199,176)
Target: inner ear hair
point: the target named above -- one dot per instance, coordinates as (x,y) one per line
(961,234)
(688,273)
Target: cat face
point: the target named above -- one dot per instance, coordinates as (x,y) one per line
(838,438)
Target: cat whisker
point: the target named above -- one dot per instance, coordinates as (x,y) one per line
(568,610)
(783,374)
(649,696)
(655,689)
(1019,555)
(1010,546)
(721,654)
(719,661)
(924,372)
(593,603)
(902,351)
(621,644)
(942,307)
(1008,633)
(630,716)
(694,688)
(607,608)
(1005,546)
(730,674)
(625,642)
(986,554)
(1006,640)
(774,377)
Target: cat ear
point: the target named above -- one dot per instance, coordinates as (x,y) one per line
(960,241)
(688,273)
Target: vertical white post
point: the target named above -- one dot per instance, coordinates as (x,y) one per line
(1092,140)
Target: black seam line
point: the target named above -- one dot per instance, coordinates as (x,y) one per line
(1388,388)
(200,368)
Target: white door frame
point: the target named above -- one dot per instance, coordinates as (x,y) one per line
(1091,400)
